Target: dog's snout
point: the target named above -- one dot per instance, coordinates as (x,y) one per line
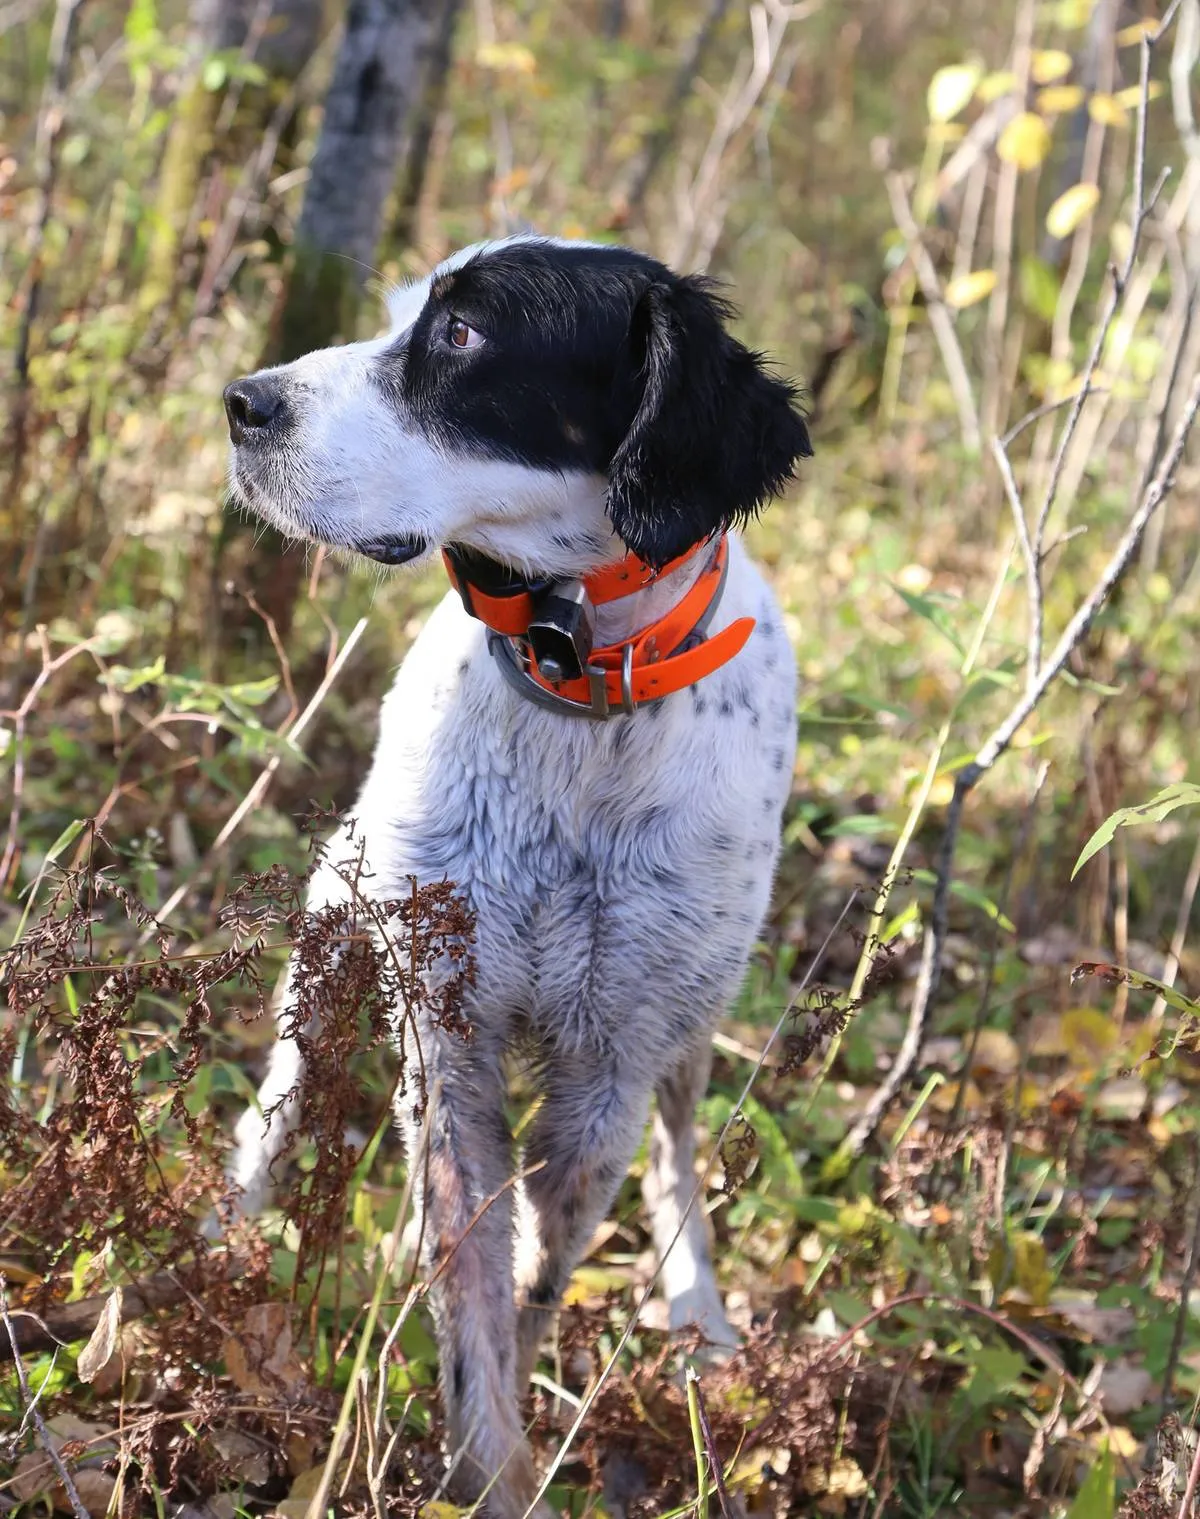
(252,404)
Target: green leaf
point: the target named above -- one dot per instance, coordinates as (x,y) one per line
(848,1308)
(971,894)
(1097,1498)
(1181,794)
(932,612)
(997,1369)
(866,825)
(776,1154)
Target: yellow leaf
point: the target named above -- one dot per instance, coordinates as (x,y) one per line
(992,86)
(946,1096)
(506,58)
(1107,110)
(1088,1036)
(436,1509)
(591,1282)
(1128,36)
(1130,97)
(1025,141)
(1031,1269)
(967,289)
(1049,65)
(941,793)
(1071,208)
(1058,98)
(1072,14)
(950,90)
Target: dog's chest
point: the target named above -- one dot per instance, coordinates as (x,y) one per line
(617,871)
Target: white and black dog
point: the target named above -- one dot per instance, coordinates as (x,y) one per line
(593,737)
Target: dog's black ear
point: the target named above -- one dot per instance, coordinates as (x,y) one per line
(714,435)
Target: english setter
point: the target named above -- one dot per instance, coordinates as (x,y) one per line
(593,737)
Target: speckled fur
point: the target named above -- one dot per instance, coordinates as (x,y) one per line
(619,873)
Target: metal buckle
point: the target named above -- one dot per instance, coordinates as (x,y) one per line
(561,632)
(600,704)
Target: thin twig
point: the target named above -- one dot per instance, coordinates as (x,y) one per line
(940,319)
(32,1411)
(1182,919)
(1184,1310)
(1192,1481)
(258,789)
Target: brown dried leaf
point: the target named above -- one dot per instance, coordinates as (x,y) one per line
(1124,1388)
(246,1459)
(98,1351)
(95,1489)
(261,1360)
(34,1474)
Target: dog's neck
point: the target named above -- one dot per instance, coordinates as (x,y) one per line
(617,621)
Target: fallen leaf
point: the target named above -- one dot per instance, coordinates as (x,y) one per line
(842,1479)
(33,1474)
(1124,1388)
(99,1349)
(246,1459)
(1088,1036)
(95,1489)
(260,1359)
(995,1052)
(1122,1098)
(1105,1325)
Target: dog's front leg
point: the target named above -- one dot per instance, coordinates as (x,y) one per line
(582,1141)
(464,1167)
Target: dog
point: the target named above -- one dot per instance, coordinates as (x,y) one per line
(593,737)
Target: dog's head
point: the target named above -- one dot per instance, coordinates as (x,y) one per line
(532,399)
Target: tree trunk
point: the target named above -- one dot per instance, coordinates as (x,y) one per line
(418,139)
(375,82)
(377,77)
(279,36)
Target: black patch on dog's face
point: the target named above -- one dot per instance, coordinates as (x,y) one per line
(601,360)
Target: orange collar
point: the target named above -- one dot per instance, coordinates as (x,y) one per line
(541,632)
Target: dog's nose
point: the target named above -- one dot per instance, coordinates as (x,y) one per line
(252,404)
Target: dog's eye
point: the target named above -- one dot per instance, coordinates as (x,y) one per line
(463,336)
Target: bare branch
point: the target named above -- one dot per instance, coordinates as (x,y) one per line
(939,314)
(32,1411)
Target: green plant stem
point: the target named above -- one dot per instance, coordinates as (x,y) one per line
(693,1402)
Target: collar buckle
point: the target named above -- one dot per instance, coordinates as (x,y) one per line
(562,632)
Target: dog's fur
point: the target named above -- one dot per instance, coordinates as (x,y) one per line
(619,871)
